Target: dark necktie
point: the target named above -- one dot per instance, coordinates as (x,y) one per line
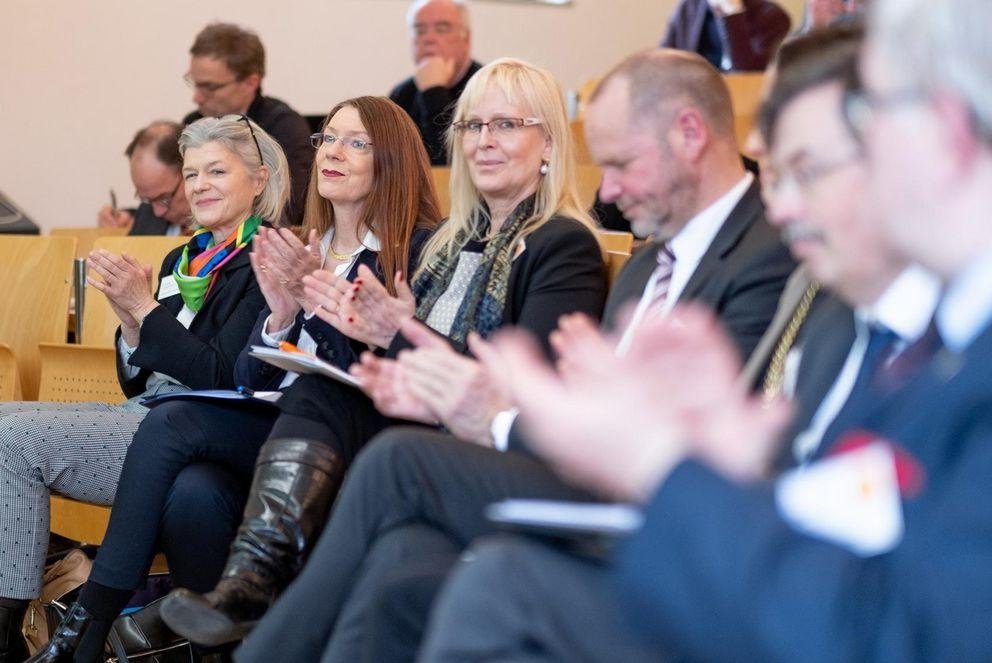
(883,372)
(881,344)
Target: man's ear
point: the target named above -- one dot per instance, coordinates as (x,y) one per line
(254,80)
(962,132)
(690,133)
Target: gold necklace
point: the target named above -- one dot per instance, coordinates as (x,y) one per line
(340,257)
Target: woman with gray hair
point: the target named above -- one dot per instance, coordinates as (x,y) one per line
(187,336)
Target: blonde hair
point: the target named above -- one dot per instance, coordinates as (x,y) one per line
(536,91)
(233,133)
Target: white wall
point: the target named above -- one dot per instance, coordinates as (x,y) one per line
(78,78)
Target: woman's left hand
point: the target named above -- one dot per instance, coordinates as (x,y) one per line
(125,282)
(363,310)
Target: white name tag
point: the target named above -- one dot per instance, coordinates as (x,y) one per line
(851,499)
(167,287)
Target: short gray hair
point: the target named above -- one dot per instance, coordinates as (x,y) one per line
(940,46)
(417,5)
(232,131)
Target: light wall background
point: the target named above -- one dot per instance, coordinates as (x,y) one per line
(78,78)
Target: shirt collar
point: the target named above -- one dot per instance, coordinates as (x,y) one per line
(690,243)
(370,241)
(967,306)
(907,305)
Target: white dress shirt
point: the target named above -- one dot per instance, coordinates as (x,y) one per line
(305,341)
(906,308)
(967,306)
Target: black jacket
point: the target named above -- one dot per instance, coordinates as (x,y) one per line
(203,356)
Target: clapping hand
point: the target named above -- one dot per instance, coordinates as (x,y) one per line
(363,310)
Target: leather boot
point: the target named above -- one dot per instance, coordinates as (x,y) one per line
(295,483)
(63,643)
(13,648)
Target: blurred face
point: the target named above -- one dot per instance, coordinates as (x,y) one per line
(345,172)
(219,187)
(216,89)
(641,173)
(159,185)
(902,141)
(817,193)
(504,166)
(438,31)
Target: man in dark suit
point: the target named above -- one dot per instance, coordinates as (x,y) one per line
(739,35)
(155,165)
(673,167)
(888,558)
(226,67)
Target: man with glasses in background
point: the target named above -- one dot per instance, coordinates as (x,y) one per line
(439,37)
(226,67)
(155,165)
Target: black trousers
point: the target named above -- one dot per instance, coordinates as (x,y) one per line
(178,433)
(172,437)
(406,475)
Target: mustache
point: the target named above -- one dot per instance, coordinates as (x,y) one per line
(795,232)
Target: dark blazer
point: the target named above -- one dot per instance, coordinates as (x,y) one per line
(750,37)
(146,223)
(683,575)
(332,345)
(560,271)
(740,276)
(203,356)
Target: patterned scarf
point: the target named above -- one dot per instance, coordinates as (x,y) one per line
(481,309)
(196,269)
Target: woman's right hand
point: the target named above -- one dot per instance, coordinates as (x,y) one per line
(281,303)
(382,380)
(288,260)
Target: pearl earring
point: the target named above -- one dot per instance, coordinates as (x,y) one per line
(544,168)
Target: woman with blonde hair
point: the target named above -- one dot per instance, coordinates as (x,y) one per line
(517,249)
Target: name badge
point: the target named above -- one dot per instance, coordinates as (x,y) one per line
(167,287)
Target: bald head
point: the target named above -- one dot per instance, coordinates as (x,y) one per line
(660,82)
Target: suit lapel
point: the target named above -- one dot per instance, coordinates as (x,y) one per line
(737,223)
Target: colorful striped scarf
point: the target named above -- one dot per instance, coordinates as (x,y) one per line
(197,267)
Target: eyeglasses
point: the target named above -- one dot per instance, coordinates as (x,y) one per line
(441,28)
(165,200)
(861,106)
(498,126)
(353,144)
(207,88)
(805,177)
(244,118)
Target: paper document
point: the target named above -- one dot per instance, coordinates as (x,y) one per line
(567,517)
(303,363)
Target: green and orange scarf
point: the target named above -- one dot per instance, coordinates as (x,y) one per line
(201,260)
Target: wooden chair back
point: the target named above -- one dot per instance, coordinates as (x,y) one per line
(615,240)
(587,180)
(10,385)
(745,93)
(582,156)
(99,322)
(615,260)
(36,273)
(442,177)
(86,236)
(78,373)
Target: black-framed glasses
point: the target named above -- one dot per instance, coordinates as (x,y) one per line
(498,126)
(861,106)
(207,88)
(165,200)
(352,143)
(245,119)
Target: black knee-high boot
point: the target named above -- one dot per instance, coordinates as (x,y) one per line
(294,485)
(13,649)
